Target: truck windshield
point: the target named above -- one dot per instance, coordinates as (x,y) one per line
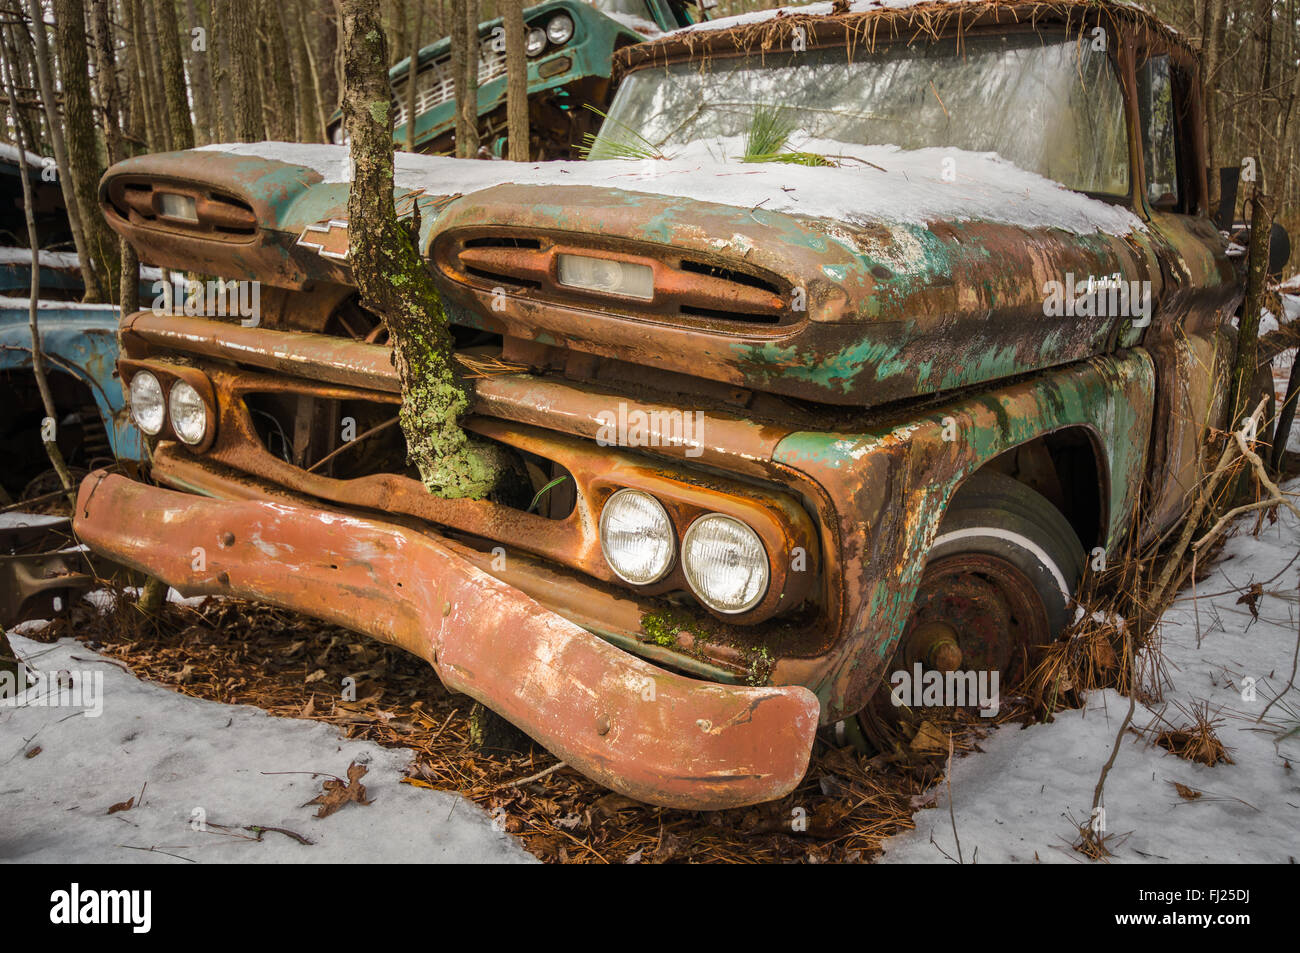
(627,8)
(1050,105)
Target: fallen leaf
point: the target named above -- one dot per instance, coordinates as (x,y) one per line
(1250,599)
(930,739)
(33,752)
(315,676)
(337,793)
(123,805)
(1186,793)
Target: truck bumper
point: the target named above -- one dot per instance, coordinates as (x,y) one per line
(639,730)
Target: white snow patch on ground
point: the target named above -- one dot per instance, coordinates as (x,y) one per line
(884,184)
(195,754)
(1011,801)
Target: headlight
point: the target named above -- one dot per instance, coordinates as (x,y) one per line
(608,276)
(725,563)
(147,405)
(560,29)
(535,42)
(189,415)
(182,208)
(636,537)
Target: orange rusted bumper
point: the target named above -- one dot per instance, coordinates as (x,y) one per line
(640,730)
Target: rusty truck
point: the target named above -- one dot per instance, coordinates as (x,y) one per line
(873,326)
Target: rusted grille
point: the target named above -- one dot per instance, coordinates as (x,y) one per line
(688,291)
(219,216)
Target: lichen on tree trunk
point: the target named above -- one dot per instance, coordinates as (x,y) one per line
(395,282)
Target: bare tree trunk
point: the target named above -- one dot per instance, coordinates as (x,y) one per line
(1213,32)
(142,91)
(512,11)
(49,426)
(394,280)
(465,53)
(156,97)
(222,69)
(314,102)
(284,110)
(94,289)
(241,41)
(412,75)
(196,63)
(179,123)
(112,120)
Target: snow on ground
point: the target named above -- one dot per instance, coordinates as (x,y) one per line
(192,755)
(1011,801)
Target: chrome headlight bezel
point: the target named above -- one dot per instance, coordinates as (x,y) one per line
(696,574)
(144,391)
(184,398)
(535,41)
(662,565)
(559,29)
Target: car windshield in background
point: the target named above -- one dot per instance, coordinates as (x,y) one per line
(630,8)
(1051,105)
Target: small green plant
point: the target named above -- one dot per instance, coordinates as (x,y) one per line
(632,145)
(770,129)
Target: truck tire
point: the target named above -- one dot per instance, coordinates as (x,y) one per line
(1000,578)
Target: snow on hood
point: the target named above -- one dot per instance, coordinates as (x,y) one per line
(875,185)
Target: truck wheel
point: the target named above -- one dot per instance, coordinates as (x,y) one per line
(999,579)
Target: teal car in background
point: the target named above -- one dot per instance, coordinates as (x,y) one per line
(570,46)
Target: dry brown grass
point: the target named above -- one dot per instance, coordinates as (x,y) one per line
(1196,739)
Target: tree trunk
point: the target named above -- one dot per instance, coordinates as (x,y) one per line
(156,97)
(306,127)
(112,119)
(465,54)
(179,123)
(241,45)
(143,128)
(284,109)
(314,101)
(196,63)
(412,75)
(393,278)
(512,11)
(90,277)
(1213,32)
(49,426)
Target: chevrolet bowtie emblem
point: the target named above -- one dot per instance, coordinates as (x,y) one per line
(329,239)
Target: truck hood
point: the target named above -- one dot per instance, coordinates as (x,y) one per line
(877,280)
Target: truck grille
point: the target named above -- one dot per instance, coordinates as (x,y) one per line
(435,82)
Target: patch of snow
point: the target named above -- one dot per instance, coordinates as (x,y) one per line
(908,186)
(45,304)
(822,9)
(9,153)
(48,259)
(1011,801)
(201,760)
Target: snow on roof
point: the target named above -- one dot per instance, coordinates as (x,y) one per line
(45,304)
(875,185)
(825,9)
(9,153)
(48,259)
